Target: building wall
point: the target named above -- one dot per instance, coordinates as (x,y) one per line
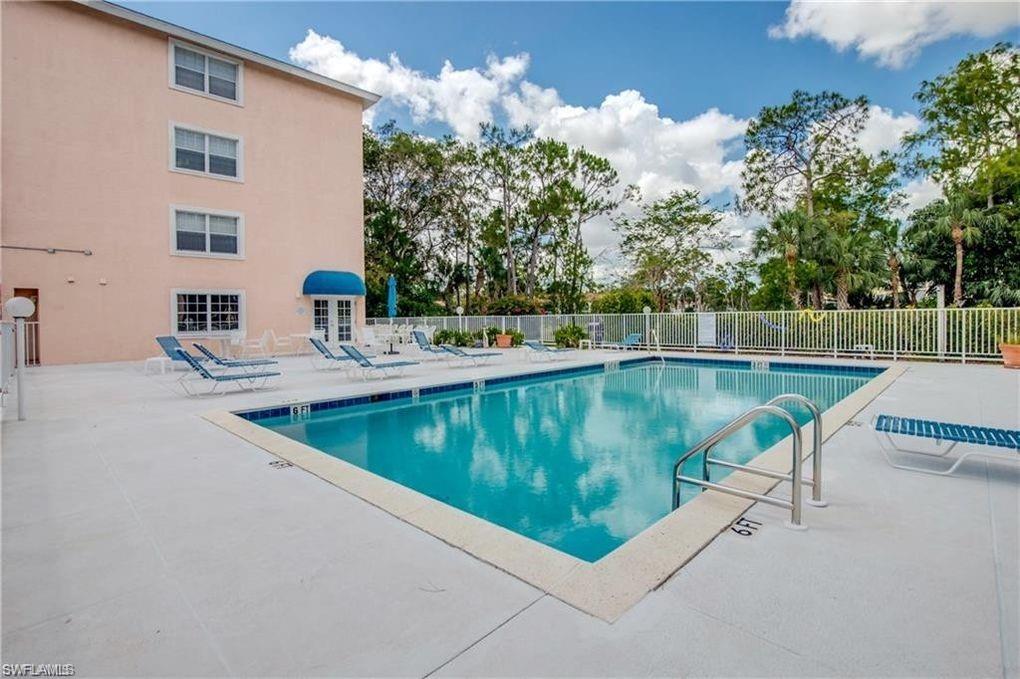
(86,107)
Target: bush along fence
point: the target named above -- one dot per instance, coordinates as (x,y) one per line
(970,334)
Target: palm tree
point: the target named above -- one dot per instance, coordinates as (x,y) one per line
(963,224)
(784,237)
(852,255)
(891,246)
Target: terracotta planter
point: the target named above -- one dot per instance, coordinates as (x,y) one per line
(1010,355)
(504,341)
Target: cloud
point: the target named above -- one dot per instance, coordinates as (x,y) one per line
(652,151)
(656,153)
(919,193)
(884,130)
(461,98)
(893,33)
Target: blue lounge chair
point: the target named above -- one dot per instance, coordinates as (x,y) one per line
(366,367)
(243,380)
(428,349)
(231,362)
(171,346)
(541,351)
(472,358)
(326,359)
(945,432)
(631,341)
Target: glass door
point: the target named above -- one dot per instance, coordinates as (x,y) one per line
(333,319)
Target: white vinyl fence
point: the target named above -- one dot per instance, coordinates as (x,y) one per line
(7,355)
(8,350)
(942,334)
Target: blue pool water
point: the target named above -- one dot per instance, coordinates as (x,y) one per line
(581,462)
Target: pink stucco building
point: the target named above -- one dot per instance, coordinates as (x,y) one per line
(156,181)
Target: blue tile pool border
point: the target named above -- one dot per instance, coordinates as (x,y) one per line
(255,415)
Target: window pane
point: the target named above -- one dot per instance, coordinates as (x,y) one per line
(190,221)
(191,313)
(222,88)
(191,79)
(220,146)
(192,242)
(226,244)
(320,314)
(225,310)
(223,69)
(222,79)
(223,225)
(343,321)
(190,160)
(224,166)
(189,59)
(192,141)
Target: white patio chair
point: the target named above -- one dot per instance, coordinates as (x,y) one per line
(278,345)
(250,346)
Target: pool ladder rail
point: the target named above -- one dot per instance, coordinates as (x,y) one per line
(795,476)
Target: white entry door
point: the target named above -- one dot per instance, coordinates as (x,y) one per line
(333,319)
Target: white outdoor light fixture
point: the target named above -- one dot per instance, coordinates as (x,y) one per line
(20,308)
(460,318)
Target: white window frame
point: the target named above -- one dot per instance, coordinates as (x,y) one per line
(175,208)
(172,74)
(201,130)
(225,334)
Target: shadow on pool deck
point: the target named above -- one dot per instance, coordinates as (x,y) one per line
(139,539)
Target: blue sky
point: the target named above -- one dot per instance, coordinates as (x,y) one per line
(663,90)
(686,57)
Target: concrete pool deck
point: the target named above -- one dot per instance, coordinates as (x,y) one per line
(140,539)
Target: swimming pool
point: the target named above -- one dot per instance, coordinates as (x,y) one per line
(580,461)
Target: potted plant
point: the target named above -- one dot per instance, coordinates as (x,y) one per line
(1010,348)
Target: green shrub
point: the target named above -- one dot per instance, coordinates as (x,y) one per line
(457,338)
(515,305)
(623,301)
(570,336)
(516,337)
(490,332)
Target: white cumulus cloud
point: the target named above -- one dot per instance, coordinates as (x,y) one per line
(884,130)
(656,153)
(461,98)
(893,33)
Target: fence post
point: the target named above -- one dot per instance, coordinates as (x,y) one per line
(835,335)
(941,300)
(895,336)
(782,334)
(541,329)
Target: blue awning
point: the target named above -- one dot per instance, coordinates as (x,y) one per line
(333,283)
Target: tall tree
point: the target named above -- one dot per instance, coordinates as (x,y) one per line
(889,242)
(971,119)
(793,147)
(593,192)
(504,173)
(963,224)
(667,243)
(784,237)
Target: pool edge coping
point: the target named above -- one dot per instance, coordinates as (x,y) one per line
(607,588)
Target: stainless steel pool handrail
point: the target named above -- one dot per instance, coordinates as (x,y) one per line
(816,449)
(706,445)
